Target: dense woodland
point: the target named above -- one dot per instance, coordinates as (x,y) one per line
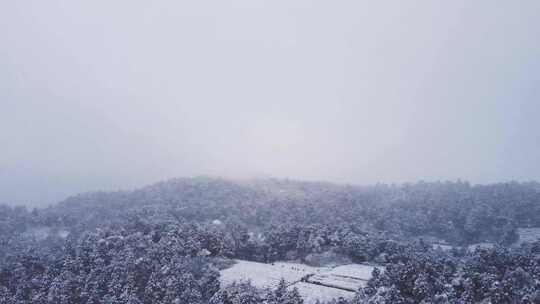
(165,243)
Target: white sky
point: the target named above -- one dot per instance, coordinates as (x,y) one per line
(116,94)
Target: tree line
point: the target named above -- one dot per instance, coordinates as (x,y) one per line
(164,243)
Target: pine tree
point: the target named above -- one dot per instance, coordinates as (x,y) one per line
(292,297)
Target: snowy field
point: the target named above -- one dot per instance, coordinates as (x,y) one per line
(313,283)
(311,293)
(358,271)
(338,282)
(267,275)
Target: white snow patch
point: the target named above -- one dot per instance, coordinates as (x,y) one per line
(347,277)
(266,275)
(313,283)
(359,271)
(311,293)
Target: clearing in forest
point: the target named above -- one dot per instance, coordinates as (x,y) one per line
(313,283)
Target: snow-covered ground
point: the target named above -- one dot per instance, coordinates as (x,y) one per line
(359,271)
(336,281)
(267,275)
(311,293)
(346,277)
(313,283)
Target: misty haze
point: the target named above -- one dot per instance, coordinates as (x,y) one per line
(277,152)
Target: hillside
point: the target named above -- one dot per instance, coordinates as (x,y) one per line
(165,242)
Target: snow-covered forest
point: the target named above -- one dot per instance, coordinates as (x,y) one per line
(167,242)
(269,152)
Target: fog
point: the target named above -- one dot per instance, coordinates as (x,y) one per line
(104,95)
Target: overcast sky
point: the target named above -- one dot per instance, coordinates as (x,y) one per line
(117,94)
